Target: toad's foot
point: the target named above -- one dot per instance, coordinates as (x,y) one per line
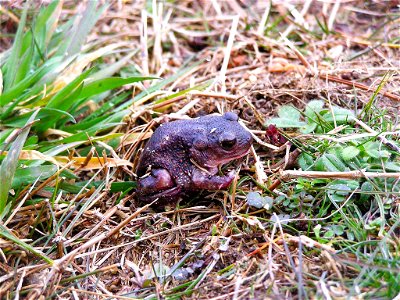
(204,181)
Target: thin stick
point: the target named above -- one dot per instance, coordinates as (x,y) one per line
(334,12)
(99,294)
(290,174)
(358,85)
(299,17)
(178,228)
(143,44)
(59,264)
(383,139)
(228,49)
(261,26)
(325,76)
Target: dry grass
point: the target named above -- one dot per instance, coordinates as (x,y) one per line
(255,57)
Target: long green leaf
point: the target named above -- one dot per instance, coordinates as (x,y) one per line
(31,174)
(107,84)
(79,137)
(5,233)
(81,31)
(12,62)
(371,101)
(4,134)
(25,63)
(45,113)
(159,85)
(44,24)
(10,163)
(99,116)
(113,68)
(21,91)
(59,100)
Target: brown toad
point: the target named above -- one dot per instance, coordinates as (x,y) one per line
(183,157)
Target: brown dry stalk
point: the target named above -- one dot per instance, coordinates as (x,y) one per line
(288,162)
(383,139)
(195,93)
(45,183)
(59,264)
(246,290)
(333,78)
(178,228)
(274,185)
(83,292)
(110,212)
(361,41)
(290,174)
(227,54)
(356,84)
(305,240)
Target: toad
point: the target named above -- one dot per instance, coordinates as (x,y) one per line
(184,156)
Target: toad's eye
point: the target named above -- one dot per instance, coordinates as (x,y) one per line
(227,141)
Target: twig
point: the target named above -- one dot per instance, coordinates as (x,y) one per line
(290,174)
(333,14)
(333,78)
(356,84)
(260,173)
(222,75)
(100,294)
(261,26)
(288,162)
(383,139)
(178,228)
(59,264)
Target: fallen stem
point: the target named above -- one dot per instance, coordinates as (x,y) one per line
(290,174)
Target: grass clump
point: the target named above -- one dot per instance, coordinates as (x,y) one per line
(314,212)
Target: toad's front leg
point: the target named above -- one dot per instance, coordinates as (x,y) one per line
(203,181)
(158,180)
(158,185)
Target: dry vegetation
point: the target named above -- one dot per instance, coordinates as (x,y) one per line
(251,57)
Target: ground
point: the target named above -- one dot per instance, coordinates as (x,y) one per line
(250,57)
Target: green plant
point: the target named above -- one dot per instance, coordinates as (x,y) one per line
(351,148)
(63,91)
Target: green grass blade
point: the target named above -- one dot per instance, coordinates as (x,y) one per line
(4,134)
(69,102)
(44,114)
(80,136)
(99,115)
(10,163)
(107,84)
(159,85)
(368,106)
(81,31)
(5,233)
(59,100)
(112,69)
(199,87)
(30,174)
(18,91)
(25,64)
(55,72)
(12,62)
(44,24)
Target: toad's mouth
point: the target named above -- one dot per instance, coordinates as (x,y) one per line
(220,163)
